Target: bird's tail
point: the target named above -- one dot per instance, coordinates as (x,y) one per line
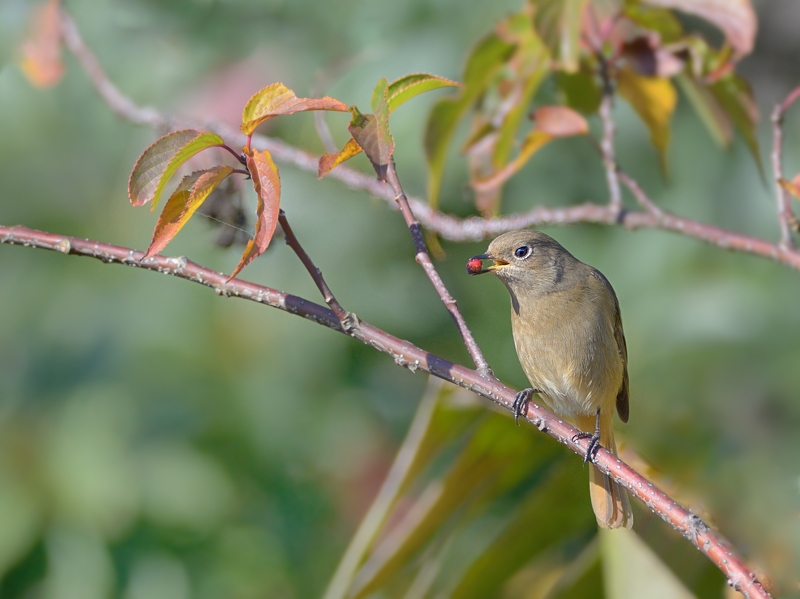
(610,501)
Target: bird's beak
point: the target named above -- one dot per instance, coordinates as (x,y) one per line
(475,264)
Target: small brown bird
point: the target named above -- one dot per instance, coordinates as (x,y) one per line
(568,334)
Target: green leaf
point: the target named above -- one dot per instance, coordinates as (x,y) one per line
(162,159)
(558,23)
(276,100)
(402,90)
(267,183)
(510,550)
(371,131)
(532,58)
(736,98)
(654,99)
(662,21)
(190,195)
(632,570)
(486,467)
(708,109)
(580,90)
(484,61)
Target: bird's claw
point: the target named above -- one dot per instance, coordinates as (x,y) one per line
(520,405)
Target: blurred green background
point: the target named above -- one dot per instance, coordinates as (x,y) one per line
(158,441)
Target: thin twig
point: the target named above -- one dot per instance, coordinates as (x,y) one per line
(346,319)
(405,354)
(607,140)
(787,220)
(424,260)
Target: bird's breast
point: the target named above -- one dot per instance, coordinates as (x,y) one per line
(566,346)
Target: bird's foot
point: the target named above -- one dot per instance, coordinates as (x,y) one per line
(521,401)
(592,448)
(594,441)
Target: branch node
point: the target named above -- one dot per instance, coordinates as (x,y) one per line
(351,323)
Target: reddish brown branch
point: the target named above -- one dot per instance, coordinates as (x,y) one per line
(787,220)
(424,260)
(405,354)
(345,318)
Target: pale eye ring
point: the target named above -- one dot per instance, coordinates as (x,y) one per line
(523,251)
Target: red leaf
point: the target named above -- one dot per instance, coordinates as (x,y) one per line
(190,195)
(41,51)
(267,183)
(276,100)
(560,121)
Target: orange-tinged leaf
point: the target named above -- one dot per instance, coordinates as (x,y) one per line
(654,99)
(552,122)
(735,18)
(159,162)
(41,51)
(371,131)
(558,23)
(276,100)
(182,204)
(534,141)
(560,121)
(793,186)
(402,90)
(328,162)
(267,183)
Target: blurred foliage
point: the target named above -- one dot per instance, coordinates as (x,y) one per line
(158,441)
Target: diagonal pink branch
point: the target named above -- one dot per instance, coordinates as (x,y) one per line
(405,354)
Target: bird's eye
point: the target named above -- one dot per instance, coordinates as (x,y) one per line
(522,251)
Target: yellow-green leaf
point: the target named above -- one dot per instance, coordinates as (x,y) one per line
(736,98)
(632,570)
(558,23)
(654,99)
(276,100)
(402,90)
(707,108)
(662,21)
(190,195)
(580,90)
(534,65)
(267,183)
(327,162)
(162,159)
(484,61)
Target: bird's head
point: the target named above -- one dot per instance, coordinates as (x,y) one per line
(524,259)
